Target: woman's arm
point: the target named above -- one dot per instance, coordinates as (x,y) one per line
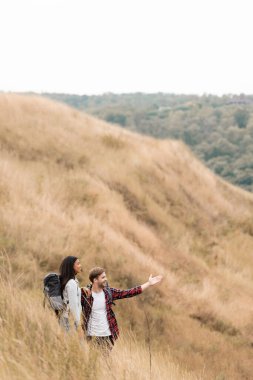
(71,289)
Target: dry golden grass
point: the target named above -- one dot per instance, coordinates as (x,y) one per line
(33,346)
(71,184)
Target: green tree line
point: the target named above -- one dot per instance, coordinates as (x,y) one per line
(219,130)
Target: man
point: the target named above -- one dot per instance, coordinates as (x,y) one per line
(99,319)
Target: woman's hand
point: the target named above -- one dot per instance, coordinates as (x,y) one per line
(86,291)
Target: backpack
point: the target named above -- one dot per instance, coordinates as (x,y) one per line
(52,292)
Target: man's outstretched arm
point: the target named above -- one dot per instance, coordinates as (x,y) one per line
(118,294)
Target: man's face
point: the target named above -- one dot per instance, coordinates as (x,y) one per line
(101,280)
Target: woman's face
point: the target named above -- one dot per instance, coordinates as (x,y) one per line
(77,266)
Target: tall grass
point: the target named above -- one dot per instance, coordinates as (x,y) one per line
(33,345)
(71,184)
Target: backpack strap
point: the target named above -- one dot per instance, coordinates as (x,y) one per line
(109,292)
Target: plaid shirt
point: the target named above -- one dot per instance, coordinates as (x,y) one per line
(117,294)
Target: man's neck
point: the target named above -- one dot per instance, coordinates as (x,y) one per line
(96,289)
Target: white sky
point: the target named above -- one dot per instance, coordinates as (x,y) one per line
(97,46)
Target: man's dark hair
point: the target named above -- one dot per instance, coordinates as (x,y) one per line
(67,270)
(95,272)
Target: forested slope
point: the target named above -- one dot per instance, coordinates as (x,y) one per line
(219,130)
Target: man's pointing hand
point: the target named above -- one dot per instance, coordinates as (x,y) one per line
(154,280)
(151,281)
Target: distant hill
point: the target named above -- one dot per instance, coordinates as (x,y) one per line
(219,130)
(73,184)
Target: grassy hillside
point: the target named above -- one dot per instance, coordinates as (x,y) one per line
(72,184)
(34,347)
(219,130)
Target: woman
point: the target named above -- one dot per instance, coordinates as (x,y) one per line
(71,293)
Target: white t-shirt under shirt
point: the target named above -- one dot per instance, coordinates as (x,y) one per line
(98,324)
